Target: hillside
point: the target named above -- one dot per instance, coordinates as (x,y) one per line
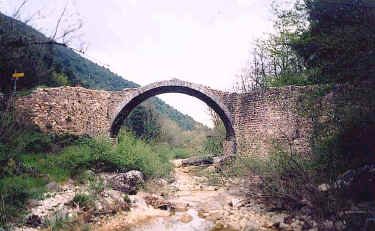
(24,49)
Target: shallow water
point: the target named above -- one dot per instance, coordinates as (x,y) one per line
(181,221)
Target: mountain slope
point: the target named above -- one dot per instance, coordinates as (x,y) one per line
(25,49)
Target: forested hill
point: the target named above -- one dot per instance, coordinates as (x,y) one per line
(25,49)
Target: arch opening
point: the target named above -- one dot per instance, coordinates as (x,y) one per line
(172,86)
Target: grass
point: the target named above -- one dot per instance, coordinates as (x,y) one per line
(29,91)
(25,174)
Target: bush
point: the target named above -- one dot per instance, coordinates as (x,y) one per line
(291,182)
(135,154)
(14,193)
(82,200)
(349,148)
(99,154)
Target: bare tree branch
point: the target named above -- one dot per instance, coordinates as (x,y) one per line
(59,21)
(17,13)
(31,18)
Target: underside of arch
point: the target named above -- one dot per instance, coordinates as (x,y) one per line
(146,92)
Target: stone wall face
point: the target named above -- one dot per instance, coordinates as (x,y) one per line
(72,110)
(259,118)
(264,119)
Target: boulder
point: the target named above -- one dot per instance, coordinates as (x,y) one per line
(157,202)
(127,182)
(52,187)
(34,221)
(359,184)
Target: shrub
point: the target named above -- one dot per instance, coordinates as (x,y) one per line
(349,148)
(82,200)
(14,193)
(135,154)
(99,154)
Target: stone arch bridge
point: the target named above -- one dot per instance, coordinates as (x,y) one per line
(252,118)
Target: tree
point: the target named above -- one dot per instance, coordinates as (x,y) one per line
(339,41)
(27,50)
(273,61)
(144,122)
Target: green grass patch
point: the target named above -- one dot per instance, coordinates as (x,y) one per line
(29,91)
(25,173)
(15,192)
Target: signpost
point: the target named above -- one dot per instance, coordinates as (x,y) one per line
(18,75)
(15,76)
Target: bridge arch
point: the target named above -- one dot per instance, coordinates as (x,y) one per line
(172,86)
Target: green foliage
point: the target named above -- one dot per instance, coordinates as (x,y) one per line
(14,193)
(343,122)
(96,185)
(183,121)
(214,143)
(144,122)
(58,79)
(135,154)
(339,40)
(29,91)
(181,153)
(60,221)
(315,42)
(82,200)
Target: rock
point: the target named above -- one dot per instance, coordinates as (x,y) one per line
(157,202)
(112,202)
(52,187)
(197,160)
(186,218)
(359,184)
(179,206)
(289,219)
(236,203)
(127,182)
(214,216)
(211,169)
(276,225)
(323,187)
(34,221)
(62,214)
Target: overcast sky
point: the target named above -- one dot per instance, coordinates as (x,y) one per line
(200,41)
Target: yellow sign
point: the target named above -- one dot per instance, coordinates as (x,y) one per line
(18,75)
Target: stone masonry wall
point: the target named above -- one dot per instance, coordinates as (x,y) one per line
(258,117)
(73,110)
(265,118)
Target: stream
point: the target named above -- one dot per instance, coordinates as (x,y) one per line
(198,206)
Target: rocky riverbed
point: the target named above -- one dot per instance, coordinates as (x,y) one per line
(188,202)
